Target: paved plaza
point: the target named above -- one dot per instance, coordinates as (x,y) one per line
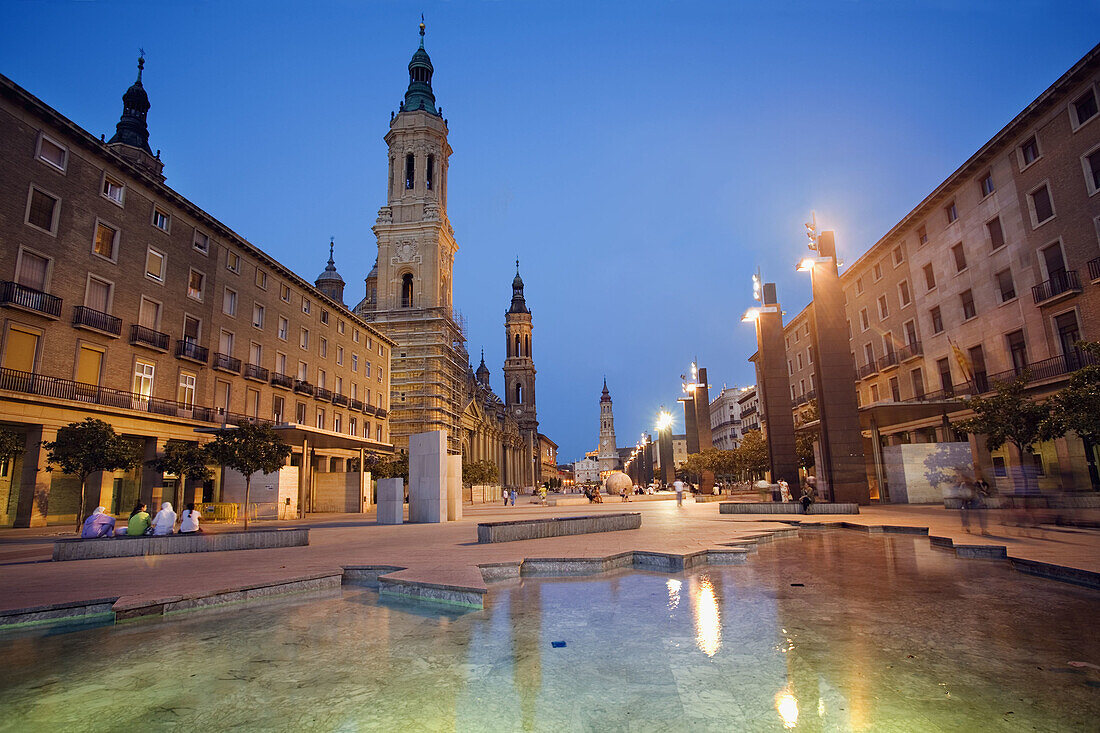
(448,554)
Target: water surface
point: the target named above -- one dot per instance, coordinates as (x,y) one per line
(884,633)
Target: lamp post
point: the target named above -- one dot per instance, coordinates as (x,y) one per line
(844,474)
(772,385)
(664,446)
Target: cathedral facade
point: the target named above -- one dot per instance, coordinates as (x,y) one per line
(409,299)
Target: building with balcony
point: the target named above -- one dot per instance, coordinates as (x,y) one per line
(725,418)
(123,300)
(996,272)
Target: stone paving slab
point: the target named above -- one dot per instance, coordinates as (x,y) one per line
(448,555)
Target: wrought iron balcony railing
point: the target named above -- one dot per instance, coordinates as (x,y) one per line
(20,296)
(142,336)
(186,349)
(85,317)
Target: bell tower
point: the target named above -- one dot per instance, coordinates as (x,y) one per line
(519,373)
(409,289)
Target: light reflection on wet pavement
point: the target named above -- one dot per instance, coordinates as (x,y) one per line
(884,633)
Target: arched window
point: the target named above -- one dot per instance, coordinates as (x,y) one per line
(527,346)
(519,393)
(410,171)
(517,351)
(430,172)
(407,290)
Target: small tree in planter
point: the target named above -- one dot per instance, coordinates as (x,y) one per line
(184,459)
(1077,406)
(247,449)
(1008,416)
(84,448)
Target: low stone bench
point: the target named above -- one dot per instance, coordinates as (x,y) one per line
(176,544)
(784,507)
(533,529)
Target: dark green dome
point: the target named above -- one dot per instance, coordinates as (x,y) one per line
(419,94)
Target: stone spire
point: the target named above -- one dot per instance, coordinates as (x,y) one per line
(482,372)
(131,138)
(329,282)
(606,396)
(519,304)
(419,95)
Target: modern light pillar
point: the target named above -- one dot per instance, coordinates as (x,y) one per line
(664,448)
(773,387)
(845,473)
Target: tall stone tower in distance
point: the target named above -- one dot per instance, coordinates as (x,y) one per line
(409,290)
(607,455)
(519,374)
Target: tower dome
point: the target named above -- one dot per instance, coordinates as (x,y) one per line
(482,372)
(329,282)
(519,303)
(132,128)
(419,95)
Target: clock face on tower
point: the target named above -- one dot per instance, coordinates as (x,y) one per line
(519,411)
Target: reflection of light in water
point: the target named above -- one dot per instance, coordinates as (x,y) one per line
(708,626)
(673,593)
(787,707)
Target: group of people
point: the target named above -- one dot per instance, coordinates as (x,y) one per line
(508,495)
(101,524)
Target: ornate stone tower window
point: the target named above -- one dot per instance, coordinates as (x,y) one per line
(410,171)
(407,290)
(430,173)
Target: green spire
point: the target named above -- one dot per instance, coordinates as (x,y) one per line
(419,94)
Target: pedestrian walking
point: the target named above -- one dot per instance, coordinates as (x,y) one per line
(504,494)
(678,485)
(513,496)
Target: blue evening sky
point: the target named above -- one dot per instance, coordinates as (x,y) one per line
(642,158)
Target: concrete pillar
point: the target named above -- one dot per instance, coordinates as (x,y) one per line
(983,461)
(303,478)
(152,480)
(391,501)
(454,488)
(364,498)
(1065,465)
(664,445)
(773,387)
(835,376)
(99,490)
(876,454)
(428,477)
(34,479)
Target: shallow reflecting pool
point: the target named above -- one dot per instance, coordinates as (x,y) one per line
(883,633)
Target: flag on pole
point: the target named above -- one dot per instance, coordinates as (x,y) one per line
(964,362)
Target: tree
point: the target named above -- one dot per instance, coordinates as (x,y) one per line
(804,448)
(12,445)
(753,454)
(1007,416)
(476,473)
(396,466)
(84,448)
(1077,406)
(184,459)
(249,448)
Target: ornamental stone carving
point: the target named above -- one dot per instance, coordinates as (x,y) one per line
(406,252)
(385,215)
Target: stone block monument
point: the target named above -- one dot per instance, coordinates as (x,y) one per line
(391,501)
(428,477)
(454,488)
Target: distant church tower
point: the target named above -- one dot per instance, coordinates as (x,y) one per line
(329,282)
(519,373)
(607,454)
(409,290)
(131,138)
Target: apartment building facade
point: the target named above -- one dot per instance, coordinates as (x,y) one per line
(996,272)
(120,299)
(725,418)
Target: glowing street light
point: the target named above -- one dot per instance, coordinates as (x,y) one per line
(664,420)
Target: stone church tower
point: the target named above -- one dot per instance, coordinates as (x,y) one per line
(607,454)
(519,374)
(409,290)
